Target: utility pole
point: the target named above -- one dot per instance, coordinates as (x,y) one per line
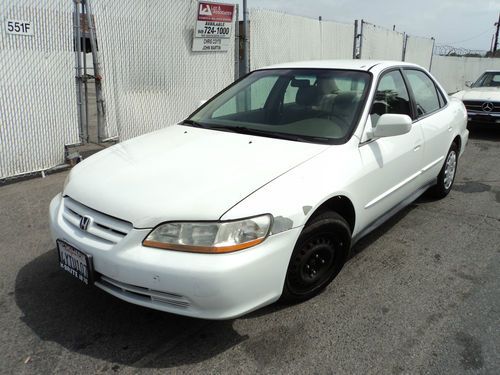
(495,45)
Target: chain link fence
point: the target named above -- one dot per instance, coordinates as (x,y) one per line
(38,109)
(151,78)
(419,50)
(378,43)
(276,37)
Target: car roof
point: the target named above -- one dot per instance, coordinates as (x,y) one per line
(364,65)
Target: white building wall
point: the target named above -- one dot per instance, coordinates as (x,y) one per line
(452,72)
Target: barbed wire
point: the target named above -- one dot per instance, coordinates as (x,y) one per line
(446,50)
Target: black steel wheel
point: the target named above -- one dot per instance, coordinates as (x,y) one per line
(447,174)
(318,256)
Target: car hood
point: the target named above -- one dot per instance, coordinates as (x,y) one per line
(480,94)
(181,173)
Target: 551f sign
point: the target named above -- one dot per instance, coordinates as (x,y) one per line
(18,27)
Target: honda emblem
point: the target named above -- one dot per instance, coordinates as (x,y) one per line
(84,223)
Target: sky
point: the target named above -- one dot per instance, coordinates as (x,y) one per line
(460,23)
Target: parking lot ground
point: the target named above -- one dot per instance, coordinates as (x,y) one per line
(419,295)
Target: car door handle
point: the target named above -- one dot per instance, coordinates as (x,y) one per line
(417,147)
(450,129)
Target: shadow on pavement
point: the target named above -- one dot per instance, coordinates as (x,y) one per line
(371,237)
(359,247)
(86,320)
(484,132)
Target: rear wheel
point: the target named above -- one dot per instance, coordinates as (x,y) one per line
(318,256)
(447,174)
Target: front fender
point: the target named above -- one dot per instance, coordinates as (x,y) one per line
(295,196)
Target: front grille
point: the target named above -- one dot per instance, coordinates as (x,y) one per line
(102,227)
(142,294)
(477,106)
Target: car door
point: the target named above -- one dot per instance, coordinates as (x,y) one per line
(432,119)
(392,164)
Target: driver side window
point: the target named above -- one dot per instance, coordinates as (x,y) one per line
(391,97)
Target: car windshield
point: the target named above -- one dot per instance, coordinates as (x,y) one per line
(310,105)
(488,79)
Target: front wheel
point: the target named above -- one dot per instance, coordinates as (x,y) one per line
(318,256)
(447,175)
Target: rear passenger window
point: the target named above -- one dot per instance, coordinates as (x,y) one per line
(424,90)
(391,97)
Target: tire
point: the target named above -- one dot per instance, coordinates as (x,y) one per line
(446,176)
(318,256)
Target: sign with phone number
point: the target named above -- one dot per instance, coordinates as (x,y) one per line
(214,27)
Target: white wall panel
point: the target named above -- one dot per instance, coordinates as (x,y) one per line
(151,78)
(276,37)
(419,51)
(452,72)
(379,43)
(38,109)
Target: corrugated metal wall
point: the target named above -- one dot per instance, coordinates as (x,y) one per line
(452,72)
(151,77)
(379,43)
(38,111)
(419,50)
(277,37)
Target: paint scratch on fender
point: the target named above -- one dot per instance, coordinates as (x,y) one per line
(281,224)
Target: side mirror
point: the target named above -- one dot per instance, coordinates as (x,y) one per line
(390,125)
(468,83)
(201,102)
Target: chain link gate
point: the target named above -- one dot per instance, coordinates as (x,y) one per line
(38,109)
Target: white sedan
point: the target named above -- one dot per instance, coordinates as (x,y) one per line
(261,192)
(482,99)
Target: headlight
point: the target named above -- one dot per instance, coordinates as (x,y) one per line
(210,237)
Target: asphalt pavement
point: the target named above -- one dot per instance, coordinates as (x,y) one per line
(420,295)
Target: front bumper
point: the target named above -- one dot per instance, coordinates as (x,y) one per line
(483,117)
(210,286)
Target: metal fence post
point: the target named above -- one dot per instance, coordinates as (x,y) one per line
(320,36)
(432,54)
(97,71)
(355,41)
(246,40)
(78,69)
(361,40)
(405,43)
(236,43)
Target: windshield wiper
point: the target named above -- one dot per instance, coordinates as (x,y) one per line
(266,133)
(193,123)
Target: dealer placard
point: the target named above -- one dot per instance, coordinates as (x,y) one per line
(214,27)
